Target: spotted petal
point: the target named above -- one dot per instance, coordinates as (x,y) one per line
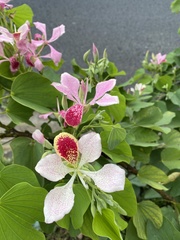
(73,115)
(109,178)
(52,168)
(89,147)
(66,147)
(59,202)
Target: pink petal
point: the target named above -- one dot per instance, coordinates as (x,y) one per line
(59,202)
(38,136)
(107,100)
(37,43)
(73,115)
(57,32)
(52,168)
(41,27)
(38,64)
(54,55)
(24,30)
(45,116)
(89,147)
(109,178)
(69,86)
(102,88)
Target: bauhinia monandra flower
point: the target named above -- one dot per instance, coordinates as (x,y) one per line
(158,59)
(74,157)
(77,91)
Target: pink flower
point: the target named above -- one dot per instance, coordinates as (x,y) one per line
(73,156)
(42,40)
(158,59)
(13,60)
(38,136)
(3,4)
(72,88)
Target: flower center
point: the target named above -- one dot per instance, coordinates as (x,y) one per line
(66,146)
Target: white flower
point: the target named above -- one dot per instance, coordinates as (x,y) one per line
(77,154)
(138,87)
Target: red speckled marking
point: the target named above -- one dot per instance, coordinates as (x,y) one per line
(66,147)
(73,115)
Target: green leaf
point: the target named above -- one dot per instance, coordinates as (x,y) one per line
(131,233)
(21,14)
(141,153)
(105,225)
(147,210)
(164,83)
(126,199)
(112,70)
(139,136)
(174,97)
(26,151)
(148,116)
(153,176)
(81,199)
(166,232)
(117,111)
(77,69)
(18,113)
(171,158)
(20,207)
(116,136)
(122,152)
(35,91)
(172,139)
(1,156)
(175,6)
(13,174)
(138,105)
(86,229)
(52,65)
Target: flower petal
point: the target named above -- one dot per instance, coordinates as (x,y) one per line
(69,86)
(102,88)
(73,115)
(59,202)
(45,115)
(109,178)
(57,32)
(54,55)
(107,100)
(38,136)
(66,147)
(89,147)
(41,27)
(52,168)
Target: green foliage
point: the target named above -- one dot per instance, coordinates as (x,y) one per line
(20,207)
(140,134)
(21,14)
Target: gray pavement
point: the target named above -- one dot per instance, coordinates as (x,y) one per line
(126,28)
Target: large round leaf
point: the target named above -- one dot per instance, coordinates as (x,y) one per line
(20,207)
(34,91)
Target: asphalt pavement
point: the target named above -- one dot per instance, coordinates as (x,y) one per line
(126,28)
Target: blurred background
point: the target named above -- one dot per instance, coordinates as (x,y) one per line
(126,28)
